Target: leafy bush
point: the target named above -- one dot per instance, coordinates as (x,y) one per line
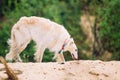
(110,28)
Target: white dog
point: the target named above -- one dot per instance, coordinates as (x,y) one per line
(45,33)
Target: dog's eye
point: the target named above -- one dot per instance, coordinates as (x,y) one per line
(71,43)
(76,50)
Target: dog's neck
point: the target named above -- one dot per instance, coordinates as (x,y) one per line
(63,46)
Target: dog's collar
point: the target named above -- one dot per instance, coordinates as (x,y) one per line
(62,49)
(63,46)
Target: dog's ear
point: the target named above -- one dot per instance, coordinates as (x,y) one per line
(66,41)
(71,41)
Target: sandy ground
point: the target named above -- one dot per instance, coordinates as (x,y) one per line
(71,70)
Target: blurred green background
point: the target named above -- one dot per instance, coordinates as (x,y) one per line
(94,25)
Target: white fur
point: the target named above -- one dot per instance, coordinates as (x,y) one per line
(45,33)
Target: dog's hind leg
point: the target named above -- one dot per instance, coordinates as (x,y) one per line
(21,48)
(19,41)
(16,50)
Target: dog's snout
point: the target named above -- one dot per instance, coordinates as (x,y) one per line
(74,57)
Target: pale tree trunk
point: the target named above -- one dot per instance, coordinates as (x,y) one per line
(90,27)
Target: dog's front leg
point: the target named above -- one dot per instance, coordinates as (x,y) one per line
(60,58)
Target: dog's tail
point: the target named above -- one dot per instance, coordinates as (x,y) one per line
(12,41)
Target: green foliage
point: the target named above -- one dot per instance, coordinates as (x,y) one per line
(110,28)
(4,35)
(48,56)
(27,54)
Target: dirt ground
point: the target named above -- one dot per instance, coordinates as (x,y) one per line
(71,70)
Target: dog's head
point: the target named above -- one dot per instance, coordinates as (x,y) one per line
(72,48)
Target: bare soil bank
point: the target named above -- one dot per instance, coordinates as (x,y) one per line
(71,70)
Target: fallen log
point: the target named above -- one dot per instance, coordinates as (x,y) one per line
(9,71)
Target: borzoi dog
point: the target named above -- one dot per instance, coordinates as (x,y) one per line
(45,33)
